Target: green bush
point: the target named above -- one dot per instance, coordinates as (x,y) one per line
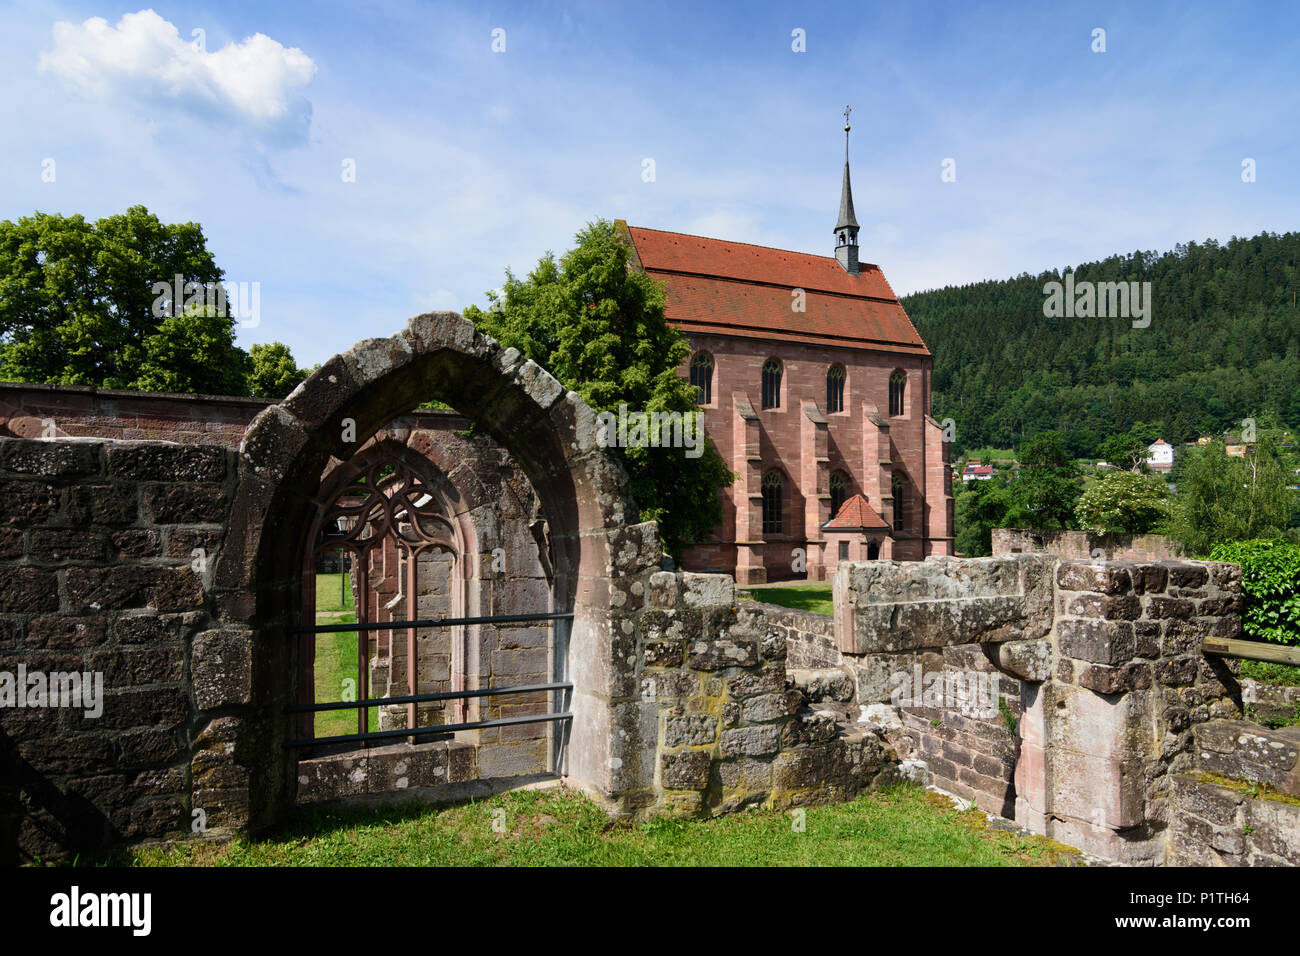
(1270,578)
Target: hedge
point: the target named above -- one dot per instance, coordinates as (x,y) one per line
(1270,578)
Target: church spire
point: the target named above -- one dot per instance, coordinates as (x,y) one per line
(846,228)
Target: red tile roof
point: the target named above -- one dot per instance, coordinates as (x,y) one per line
(856,515)
(733,288)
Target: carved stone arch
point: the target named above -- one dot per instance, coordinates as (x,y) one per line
(551,433)
(446,522)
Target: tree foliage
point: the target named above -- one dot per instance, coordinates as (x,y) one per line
(78,307)
(1126,451)
(600,329)
(1222,498)
(1124,502)
(1270,578)
(1223,343)
(980,507)
(273,373)
(1046,487)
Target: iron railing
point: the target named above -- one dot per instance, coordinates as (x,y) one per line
(564,686)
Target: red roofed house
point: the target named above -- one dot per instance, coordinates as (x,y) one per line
(816,391)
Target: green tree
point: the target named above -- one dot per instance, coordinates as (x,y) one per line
(273,373)
(193,353)
(600,329)
(1225,345)
(78,305)
(1124,501)
(1047,485)
(979,508)
(1221,498)
(1126,451)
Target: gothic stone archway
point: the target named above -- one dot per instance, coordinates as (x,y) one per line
(550,432)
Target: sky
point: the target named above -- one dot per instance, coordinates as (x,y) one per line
(365,162)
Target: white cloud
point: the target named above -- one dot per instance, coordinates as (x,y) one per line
(256,83)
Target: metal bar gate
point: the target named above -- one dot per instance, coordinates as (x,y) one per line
(561,687)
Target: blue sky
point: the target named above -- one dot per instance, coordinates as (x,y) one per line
(469,160)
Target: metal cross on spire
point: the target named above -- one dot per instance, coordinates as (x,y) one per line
(847,110)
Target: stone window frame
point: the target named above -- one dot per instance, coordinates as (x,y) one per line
(845,485)
(835,388)
(772,376)
(773,493)
(898,393)
(701,360)
(581,485)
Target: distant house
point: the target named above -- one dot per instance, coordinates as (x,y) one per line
(975,472)
(1160,455)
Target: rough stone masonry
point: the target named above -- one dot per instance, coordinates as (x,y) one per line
(684,700)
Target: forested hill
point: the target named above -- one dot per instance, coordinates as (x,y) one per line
(1223,343)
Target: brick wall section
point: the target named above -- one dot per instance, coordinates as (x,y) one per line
(1231,822)
(972,752)
(97,547)
(1114,722)
(917,636)
(1083,545)
(28,411)
(809,637)
(75,411)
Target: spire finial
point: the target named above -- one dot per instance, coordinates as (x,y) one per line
(846,227)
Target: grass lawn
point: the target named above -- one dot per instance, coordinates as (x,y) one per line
(802,597)
(1266,672)
(336,659)
(328,598)
(904,826)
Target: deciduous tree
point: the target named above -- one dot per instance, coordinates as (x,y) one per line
(600,329)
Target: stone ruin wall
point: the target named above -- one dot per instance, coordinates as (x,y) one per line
(968,751)
(510,654)
(709,704)
(96,544)
(735,703)
(1085,545)
(1128,740)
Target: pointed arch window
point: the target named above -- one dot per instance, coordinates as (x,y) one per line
(772,383)
(773,502)
(897,387)
(835,389)
(899,487)
(839,491)
(385,509)
(702,378)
